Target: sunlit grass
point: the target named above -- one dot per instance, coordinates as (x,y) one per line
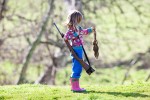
(138,91)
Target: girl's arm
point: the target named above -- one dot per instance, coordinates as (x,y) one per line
(86,31)
(68,36)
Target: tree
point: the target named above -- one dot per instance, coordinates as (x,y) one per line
(35,43)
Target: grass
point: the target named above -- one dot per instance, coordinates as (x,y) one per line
(137,91)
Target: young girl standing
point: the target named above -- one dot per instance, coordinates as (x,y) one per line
(71,35)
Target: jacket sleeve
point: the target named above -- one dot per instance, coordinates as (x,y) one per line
(85,31)
(68,36)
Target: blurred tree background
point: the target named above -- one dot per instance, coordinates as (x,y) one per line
(32,51)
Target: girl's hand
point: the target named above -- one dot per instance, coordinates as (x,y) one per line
(64,38)
(93,28)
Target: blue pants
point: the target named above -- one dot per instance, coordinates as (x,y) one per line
(76,66)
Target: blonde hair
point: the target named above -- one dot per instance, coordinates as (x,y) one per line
(74,18)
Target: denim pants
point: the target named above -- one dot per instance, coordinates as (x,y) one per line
(76,66)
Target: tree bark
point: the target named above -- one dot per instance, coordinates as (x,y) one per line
(35,43)
(3,8)
(147,78)
(49,75)
(46,76)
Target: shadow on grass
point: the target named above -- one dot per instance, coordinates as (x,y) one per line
(125,94)
(2,98)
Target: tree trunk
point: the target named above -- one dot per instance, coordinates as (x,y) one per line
(3,8)
(147,78)
(45,78)
(49,75)
(35,43)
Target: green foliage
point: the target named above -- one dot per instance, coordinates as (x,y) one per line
(8,73)
(138,91)
(122,26)
(103,76)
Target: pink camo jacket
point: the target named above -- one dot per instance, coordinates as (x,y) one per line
(72,34)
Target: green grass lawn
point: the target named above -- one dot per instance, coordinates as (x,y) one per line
(137,91)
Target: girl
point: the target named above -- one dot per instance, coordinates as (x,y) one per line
(72,34)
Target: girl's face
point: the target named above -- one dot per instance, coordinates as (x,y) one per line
(79,18)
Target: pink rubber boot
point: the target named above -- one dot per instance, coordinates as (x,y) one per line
(75,85)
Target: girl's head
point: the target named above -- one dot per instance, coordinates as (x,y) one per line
(74,18)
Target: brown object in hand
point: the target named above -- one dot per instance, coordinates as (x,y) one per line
(95,46)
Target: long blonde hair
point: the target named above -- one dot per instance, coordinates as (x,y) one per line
(74,18)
